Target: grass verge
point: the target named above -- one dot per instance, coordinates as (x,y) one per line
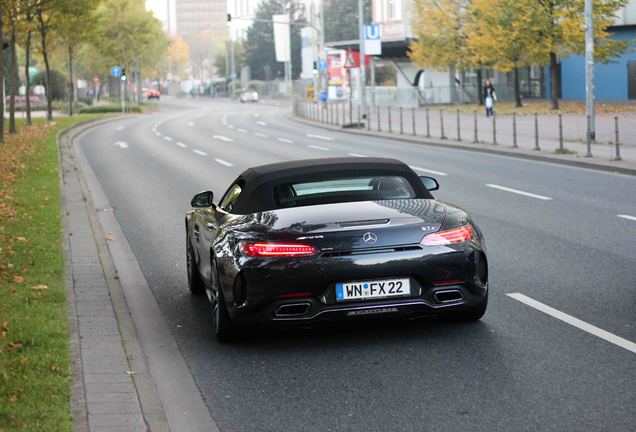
(34,353)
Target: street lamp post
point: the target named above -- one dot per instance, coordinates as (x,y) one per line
(589,75)
(363,94)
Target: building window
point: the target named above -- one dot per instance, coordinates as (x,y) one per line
(394,10)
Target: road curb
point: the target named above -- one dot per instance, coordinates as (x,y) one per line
(606,166)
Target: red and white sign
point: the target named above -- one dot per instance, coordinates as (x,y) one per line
(352,60)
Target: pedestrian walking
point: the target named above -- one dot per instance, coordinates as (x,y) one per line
(490,97)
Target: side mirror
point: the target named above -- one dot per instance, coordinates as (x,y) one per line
(202,200)
(429,183)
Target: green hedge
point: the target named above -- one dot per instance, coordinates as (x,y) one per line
(100,109)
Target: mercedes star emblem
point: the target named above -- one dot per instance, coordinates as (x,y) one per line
(369,238)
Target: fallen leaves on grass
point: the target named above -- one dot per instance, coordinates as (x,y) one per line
(21,239)
(18,279)
(15,345)
(40,287)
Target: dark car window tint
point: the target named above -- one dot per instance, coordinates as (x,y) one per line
(343,190)
(229,200)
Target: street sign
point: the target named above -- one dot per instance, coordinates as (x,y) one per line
(372,39)
(116,71)
(322,65)
(233,76)
(351,61)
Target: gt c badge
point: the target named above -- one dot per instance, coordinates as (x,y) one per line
(369,238)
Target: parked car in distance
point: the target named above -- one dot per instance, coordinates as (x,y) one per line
(153,94)
(248,96)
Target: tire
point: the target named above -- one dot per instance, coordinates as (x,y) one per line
(224,328)
(195,283)
(473,313)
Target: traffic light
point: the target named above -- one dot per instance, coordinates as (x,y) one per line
(229,17)
(123,74)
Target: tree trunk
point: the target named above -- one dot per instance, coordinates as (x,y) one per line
(45,56)
(480,87)
(555,84)
(1,75)
(27,62)
(13,73)
(71,86)
(517,89)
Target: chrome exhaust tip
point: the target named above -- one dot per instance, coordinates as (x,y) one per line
(448,296)
(292,309)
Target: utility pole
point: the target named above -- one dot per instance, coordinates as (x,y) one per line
(322,55)
(589,74)
(363,95)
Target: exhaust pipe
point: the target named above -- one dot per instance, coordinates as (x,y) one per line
(447,296)
(293,309)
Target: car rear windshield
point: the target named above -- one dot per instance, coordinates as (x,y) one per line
(342,190)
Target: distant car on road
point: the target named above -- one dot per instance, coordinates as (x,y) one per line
(154,94)
(248,96)
(298,242)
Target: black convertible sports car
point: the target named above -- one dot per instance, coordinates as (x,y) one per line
(297,242)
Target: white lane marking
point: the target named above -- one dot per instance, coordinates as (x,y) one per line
(258,134)
(230,126)
(241,130)
(256,115)
(628,217)
(517,191)
(319,147)
(324,138)
(582,325)
(357,155)
(430,171)
(285,140)
(199,152)
(182,145)
(158,134)
(262,123)
(222,138)
(191,124)
(167,138)
(120,128)
(121,144)
(223,162)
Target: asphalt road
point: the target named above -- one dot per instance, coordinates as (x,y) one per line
(564,245)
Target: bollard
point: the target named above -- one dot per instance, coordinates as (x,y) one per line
(428,125)
(350,111)
(536,132)
(459,134)
(377,110)
(413,120)
(369,117)
(359,119)
(618,150)
(589,137)
(388,110)
(494,128)
(476,138)
(514,130)
(441,123)
(401,122)
(561,132)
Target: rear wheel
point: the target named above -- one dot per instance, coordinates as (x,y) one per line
(195,283)
(224,328)
(474,313)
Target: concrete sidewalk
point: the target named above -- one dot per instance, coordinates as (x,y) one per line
(108,366)
(459,131)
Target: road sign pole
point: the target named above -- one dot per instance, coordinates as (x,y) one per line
(589,74)
(363,96)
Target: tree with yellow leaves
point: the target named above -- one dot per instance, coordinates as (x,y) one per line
(178,57)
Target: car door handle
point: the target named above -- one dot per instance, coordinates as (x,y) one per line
(211,225)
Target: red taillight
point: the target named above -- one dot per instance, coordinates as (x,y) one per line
(277,249)
(455,235)
(293,295)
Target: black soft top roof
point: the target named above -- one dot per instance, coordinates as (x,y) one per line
(259,182)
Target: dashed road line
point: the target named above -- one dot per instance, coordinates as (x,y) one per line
(158,134)
(262,123)
(321,148)
(582,325)
(121,144)
(320,137)
(120,128)
(230,126)
(223,162)
(285,140)
(519,192)
(199,152)
(628,217)
(241,130)
(182,145)
(357,155)
(426,170)
(222,138)
(191,124)
(167,138)
(258,134)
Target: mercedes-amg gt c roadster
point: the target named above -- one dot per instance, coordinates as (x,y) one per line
(299,242)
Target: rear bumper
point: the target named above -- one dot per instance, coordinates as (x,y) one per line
(317,278)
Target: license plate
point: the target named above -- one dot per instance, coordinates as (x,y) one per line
(377,289)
